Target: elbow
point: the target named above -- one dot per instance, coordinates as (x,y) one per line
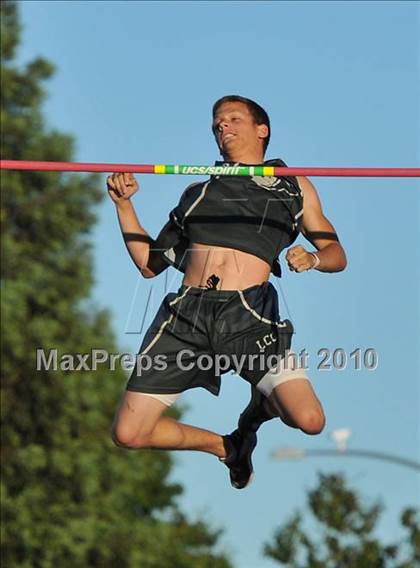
(146,272)
(342,264)
(338,261)
(144,269)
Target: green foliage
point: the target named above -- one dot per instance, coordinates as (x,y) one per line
(346,527)
(69,496)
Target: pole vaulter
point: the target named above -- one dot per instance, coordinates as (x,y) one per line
(225,234)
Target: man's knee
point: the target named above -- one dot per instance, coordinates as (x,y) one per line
(135,420)
(312,421)
(125,437)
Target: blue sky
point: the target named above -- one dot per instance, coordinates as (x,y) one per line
(135,82)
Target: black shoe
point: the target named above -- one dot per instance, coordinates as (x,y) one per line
(238,459)
(254,414)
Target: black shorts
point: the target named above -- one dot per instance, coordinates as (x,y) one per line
(198,334)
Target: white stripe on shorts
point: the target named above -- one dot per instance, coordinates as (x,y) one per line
(257,315)
(167,399)
(165,323)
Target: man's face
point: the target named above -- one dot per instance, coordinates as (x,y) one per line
(235,130)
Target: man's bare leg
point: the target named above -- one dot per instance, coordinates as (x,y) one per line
(139,424)
(293,401)
(297,405)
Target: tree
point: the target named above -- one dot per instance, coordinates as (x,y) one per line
(347,527)
(69,497)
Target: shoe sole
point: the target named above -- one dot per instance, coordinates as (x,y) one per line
(250,480)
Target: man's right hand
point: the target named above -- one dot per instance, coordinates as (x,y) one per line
(121,186)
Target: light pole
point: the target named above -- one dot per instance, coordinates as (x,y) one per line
(341,437)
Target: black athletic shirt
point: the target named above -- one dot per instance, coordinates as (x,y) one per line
(257,215)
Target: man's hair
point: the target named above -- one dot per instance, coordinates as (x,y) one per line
(258,113)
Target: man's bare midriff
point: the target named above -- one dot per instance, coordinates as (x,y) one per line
(234,269)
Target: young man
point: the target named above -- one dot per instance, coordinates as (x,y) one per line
(225,235)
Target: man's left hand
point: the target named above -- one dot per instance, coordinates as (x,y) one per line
(299,259)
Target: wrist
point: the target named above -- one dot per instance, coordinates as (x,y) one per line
(316,261)
(123,204)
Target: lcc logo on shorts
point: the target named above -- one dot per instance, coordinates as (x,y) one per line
(268,339)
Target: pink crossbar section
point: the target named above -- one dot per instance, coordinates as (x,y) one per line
(150,169)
